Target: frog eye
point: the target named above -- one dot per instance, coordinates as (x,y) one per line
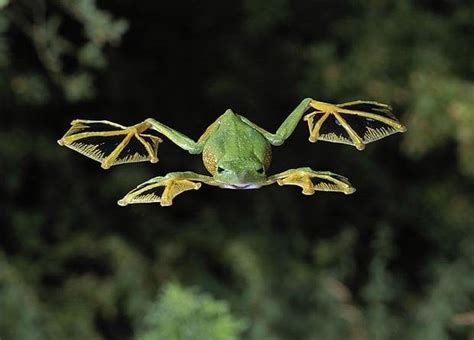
(220,170)
(261,170)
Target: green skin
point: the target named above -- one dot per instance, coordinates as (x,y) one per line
(236,152)
(239,146)
(240,152)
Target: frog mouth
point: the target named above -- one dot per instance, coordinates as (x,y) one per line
(243,186)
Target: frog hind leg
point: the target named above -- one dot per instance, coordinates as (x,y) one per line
(354,123)
(110,143)
(164,189)
(311,181)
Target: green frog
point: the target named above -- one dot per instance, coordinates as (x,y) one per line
(236,152)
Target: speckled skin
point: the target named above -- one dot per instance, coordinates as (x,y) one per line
(236,153)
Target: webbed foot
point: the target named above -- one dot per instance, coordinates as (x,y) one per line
(311,181)
(355,123)
(111,143)
(164,189)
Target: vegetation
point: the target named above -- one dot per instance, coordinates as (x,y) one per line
(393,261)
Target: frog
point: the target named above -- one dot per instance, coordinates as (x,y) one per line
(236,152)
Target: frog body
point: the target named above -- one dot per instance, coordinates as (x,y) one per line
(236,152)
(231,158)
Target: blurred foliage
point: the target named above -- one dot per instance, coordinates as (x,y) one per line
(67,62)
(184,314)
(393,261)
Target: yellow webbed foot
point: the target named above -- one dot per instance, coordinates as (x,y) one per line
(164,189)
(311,181)
(111,143)
(160,191)
(355,123)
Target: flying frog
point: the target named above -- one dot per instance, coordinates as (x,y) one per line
(236,152)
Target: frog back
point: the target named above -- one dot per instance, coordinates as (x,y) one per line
(234,141)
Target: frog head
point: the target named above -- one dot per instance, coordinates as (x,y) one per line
(240,173)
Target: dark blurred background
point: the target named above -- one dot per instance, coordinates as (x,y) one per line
(393,261)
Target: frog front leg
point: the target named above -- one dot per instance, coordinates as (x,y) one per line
(164,189)
(311,181)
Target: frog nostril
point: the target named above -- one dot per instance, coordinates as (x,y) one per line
(261,170)
(220,169)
